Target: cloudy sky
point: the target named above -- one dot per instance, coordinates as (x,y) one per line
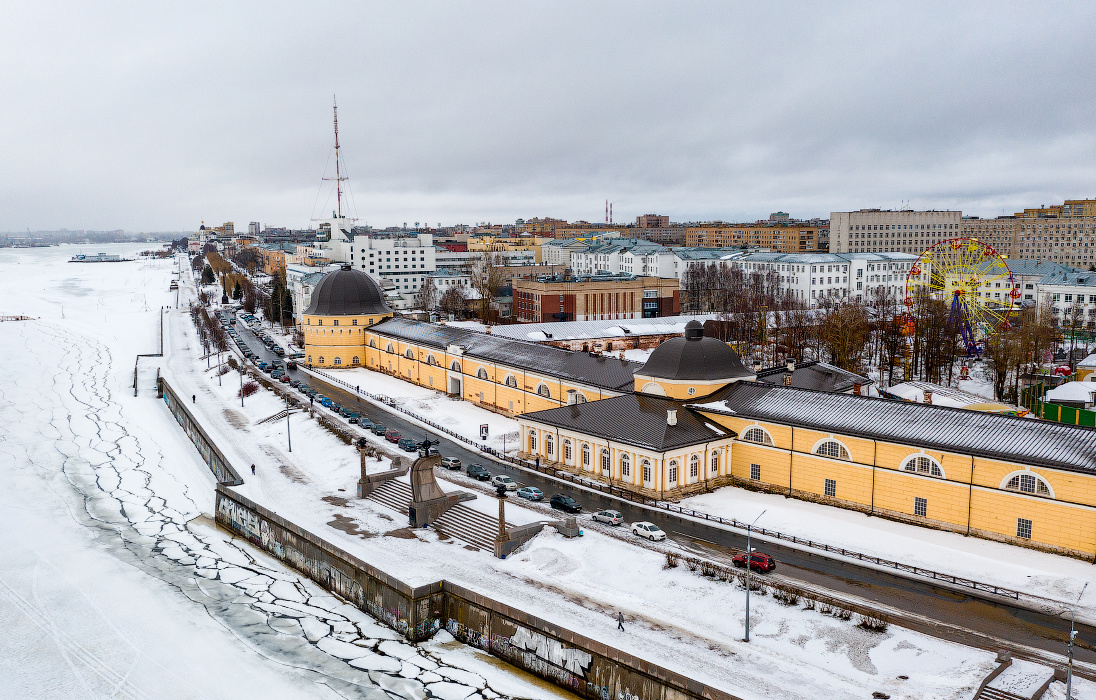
(153,118)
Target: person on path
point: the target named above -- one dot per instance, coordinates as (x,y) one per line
(252,468)
(538,461)
(193,398)
(620,621)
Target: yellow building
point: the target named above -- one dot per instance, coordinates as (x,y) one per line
(344,304)
(500,244)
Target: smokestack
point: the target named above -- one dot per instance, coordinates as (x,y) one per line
(788,379)
(928,396)
(757,367)
(791,364)
(856,388)
(671,416)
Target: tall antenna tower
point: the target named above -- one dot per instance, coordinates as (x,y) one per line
(338,171)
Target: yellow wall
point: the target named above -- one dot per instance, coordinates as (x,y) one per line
(334,341)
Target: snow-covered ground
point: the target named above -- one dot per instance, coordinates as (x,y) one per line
(113,579)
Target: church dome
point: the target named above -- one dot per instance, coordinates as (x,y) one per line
(347,292)
(694,358)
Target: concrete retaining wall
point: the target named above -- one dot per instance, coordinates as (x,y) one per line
(213,458)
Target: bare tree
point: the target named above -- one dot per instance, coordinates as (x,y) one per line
(427,296)
(487,275)
(454,301)
(845,330)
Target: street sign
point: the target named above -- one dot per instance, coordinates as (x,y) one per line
(483,431)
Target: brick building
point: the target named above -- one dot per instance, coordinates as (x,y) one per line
(563,298)
(778,236)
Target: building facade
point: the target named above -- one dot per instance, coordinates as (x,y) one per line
(785,236)
(343,305)
(815,278)
(567,298)
(405,260)
(885,230)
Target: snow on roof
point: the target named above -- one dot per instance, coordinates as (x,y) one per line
(588,330)
(1072,391)
(1089,361)
(941,395)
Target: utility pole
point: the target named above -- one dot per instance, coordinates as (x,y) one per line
(749,558)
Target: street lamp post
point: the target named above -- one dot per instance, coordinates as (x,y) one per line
(749,557)
(1072,636)
(241,385)
(288,437)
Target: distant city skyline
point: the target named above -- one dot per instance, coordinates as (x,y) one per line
(149,118)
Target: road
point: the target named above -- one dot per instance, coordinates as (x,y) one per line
(918,596)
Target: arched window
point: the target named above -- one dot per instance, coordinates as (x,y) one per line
(542,389)
(481,374)
(758,435)
(356,361)
(409,354)
(923,464)
(431,360)
(309,359)
(694,467)
(625,465)
(390,348)
(511,381)
(549,445)
(672,475)
(321,359)
(566,451)
(585,455)
(715,462)
(580,397)
(831,448)
(605,461)
(646,472)
(532,441)
(455,366)
(338,360)
(372,342)
(1029,483)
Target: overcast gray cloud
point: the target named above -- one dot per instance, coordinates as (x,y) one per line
(154,118)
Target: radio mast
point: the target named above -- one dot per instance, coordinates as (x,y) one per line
(338,171)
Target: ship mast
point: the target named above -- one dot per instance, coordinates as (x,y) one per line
(338,172)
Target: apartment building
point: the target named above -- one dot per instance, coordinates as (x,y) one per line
(624,256)
(999,233)
(601,297)
(1070,297)
(405,260)
(886,230)
(784,235)
(652,221)
(815,277)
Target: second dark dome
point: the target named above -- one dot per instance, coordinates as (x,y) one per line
(347,292)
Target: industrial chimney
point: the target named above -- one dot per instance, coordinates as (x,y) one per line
(671,416)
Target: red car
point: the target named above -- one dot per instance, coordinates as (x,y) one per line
(392,435)
(284,379)
(758,562)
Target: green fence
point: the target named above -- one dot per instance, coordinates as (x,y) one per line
(1032,398)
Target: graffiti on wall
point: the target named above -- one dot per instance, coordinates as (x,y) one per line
(574,660)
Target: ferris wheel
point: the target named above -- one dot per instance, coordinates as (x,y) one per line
(974,281)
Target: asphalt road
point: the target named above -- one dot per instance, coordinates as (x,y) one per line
(918,596)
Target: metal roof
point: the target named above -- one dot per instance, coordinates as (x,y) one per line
(589,330)
(606,372)
(634,420)
(990,435)
(1070,278)
(818,376)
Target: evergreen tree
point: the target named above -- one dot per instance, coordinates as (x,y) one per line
(237,292)
(207,275)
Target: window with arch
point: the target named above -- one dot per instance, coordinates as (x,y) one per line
(409,354)
(585,455)
(542,389)
(532,441)
(832,448)
(389,348)
(549,445)
(646,472)
(672,474)
(567,451)
(923,464)
(321,359)
(356,361)
(372,343)
(338,360)
(309,359)
(481,374)
(1029,483)
(431,360)
(758,435)
(455,366)
(625,465)
(694,467)
(511,381)
(715,462)
(580,397)
(605,461)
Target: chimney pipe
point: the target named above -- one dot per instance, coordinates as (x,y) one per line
(928,396)
(671,416)
(791,364)
(757,367)
(856,388)
(788,379)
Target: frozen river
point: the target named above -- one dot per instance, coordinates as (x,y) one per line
(113,580)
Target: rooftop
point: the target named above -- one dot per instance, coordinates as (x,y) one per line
(589,330)
(818,376)
(991,435)
(1070,278)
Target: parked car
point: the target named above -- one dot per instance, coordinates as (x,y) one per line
(478,471)
(284,379)
(263,366)
(504,481)
(379,429)
(407,444)
(392,435)
(365,423)
(291,365)
(564,503)
(611,517)
(531,493)
(450,462)
(335,407)
(649,530)
(279,351)
(758,562)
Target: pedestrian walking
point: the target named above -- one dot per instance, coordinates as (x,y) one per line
(252,468)
(620,621)
(538,462)
(193,398)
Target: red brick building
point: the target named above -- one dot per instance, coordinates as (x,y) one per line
(562,298)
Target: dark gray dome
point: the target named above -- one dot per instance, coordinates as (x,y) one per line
(694,358)
(347,292)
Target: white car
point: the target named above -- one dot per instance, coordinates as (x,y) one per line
(648,530)
(503,480)
(612,517)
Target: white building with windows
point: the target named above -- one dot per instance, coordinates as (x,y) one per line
(813,277)
(404,260)
(903,230)
(1070,297)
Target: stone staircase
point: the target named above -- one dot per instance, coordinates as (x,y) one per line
(459,522)
(995,694)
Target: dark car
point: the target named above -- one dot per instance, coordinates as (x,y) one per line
(408,445)
(335,407)
(758,562)
(353,418)
(565,503)
(379,429)
(392,435)
(290,364)
(279,351)
(478,471)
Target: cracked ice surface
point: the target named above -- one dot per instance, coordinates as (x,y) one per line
(113,580)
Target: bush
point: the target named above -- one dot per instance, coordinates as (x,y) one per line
(874,622)
(808,603)
(223,369)
(248,389)
(843,614)
(671,560)
(785,597)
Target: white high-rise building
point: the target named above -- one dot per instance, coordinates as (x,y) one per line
(884,230)
(405,260)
